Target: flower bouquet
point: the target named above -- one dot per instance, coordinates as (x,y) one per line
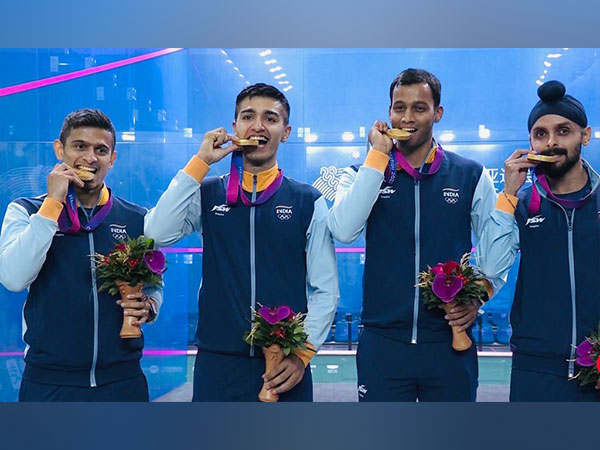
(449,284)
(588,358)
(126,269)
(278,331)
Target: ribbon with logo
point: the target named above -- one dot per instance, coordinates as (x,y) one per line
(396,158)
(68,221)
(234,185)
(536,199)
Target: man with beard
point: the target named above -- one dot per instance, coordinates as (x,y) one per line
(265,239)
(419,205)
(555,225)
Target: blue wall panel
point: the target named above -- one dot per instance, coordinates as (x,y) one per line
(167,103)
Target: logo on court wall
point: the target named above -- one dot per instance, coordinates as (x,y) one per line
(327,183)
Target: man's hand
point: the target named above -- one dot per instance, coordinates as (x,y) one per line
(515,171)
(138,306)
(378,140)
(285,376)
(210,149)
(462,316)
(59,179)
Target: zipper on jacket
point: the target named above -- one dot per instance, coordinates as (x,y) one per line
(413,339)
(252,256)
(573,297)
(570,221)
(95,297)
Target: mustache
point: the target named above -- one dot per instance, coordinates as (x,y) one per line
(557,151)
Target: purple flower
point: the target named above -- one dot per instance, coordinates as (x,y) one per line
(584,354)
(446,287)
(274,315)
(155,260)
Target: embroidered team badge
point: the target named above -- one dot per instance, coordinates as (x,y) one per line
(119,232)
(283,212)
(451,195)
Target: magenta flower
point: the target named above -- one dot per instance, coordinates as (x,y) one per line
(445,268)
(155,260)
(274,315)
(438,269)
(446,287)
(598,364)
(584,354)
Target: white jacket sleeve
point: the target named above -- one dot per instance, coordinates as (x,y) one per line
(356,194)
(321,277)
(177,213)
(496,232)
(24,243)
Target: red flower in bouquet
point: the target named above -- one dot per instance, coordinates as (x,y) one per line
(278,331)
(447,268)
(277,325)
(133,262)
(450,282)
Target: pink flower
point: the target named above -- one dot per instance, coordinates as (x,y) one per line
(121,247)
(584,354)
(155,260)
(438,269)
(445,287)
(274,315)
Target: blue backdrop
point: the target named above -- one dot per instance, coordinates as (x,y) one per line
(162,106)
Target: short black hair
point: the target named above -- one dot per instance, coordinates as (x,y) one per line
(415,76)
(86,118)
(263,90)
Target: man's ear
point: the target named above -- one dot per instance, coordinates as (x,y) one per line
(59,150)
(286,134)
(113,156)
(438,114)
(587,135)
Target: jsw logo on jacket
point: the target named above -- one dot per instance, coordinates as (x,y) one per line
(556,300)
(243,263)
(414,224)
